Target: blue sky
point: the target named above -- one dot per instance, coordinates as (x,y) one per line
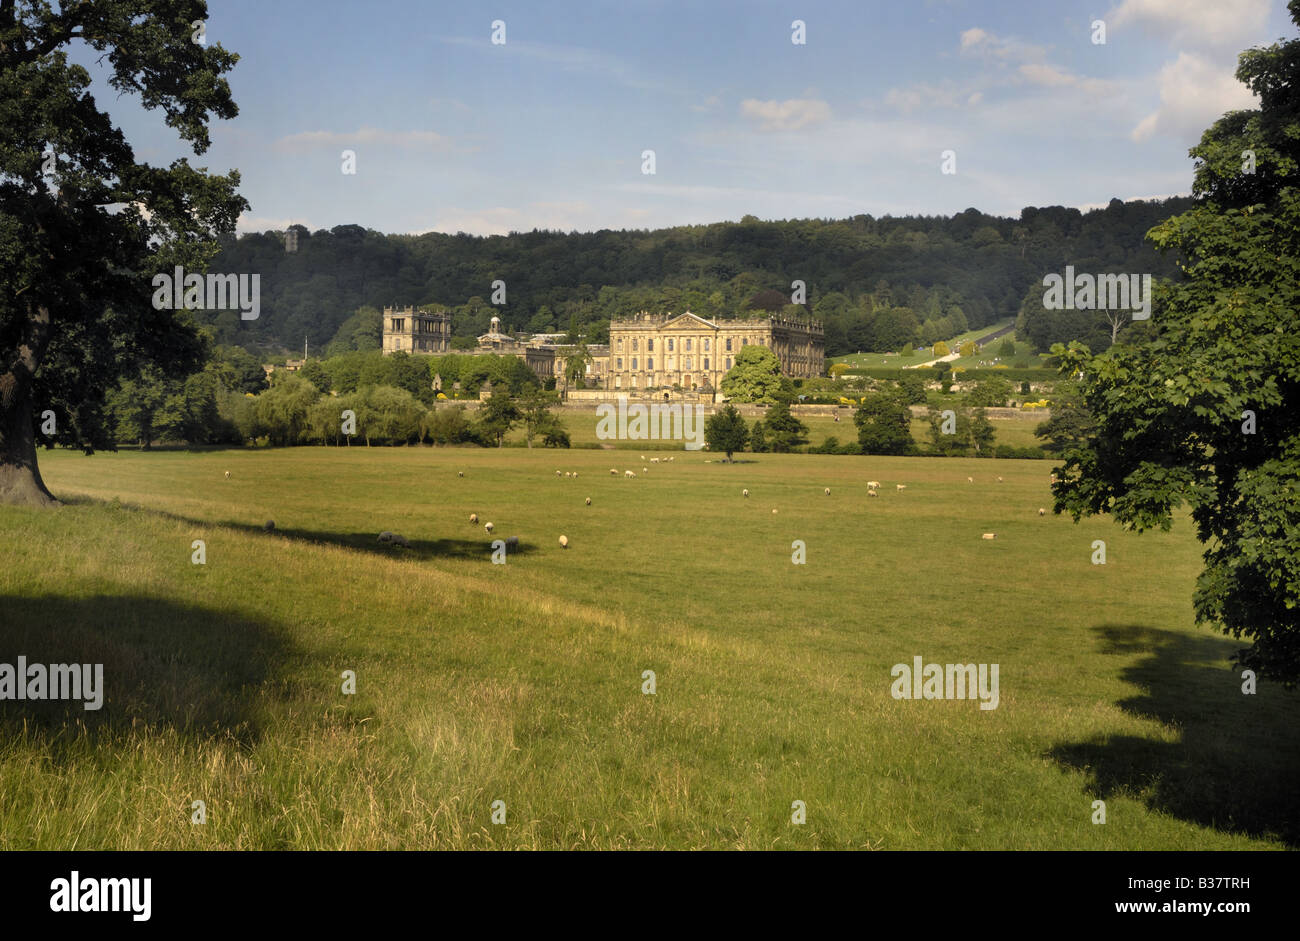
(453,133)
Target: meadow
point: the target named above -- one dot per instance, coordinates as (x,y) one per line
(523,682)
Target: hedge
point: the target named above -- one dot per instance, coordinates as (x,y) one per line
(930,374)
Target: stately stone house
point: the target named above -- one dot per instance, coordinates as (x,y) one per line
(648,351)
(684,350)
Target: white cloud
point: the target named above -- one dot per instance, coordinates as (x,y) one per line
(561,216)
(247,223)
(1194,92)
(307,140)
(1085,207)
(789,115)
(983,43)
(924,95)
(1203,23)
(1050,76)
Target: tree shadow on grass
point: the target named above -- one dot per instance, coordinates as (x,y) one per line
(202,673)
(480,548)
(1235,765)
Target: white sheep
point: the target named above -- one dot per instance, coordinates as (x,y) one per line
(745,492)
(489,527)
(612,472)
(227,475)
(872,493)
(1042,511)
(773,509)
(589,501)
(460,473)
(628,474)
(970,480)
(872,484)
(901,486)
(645,470)
(557,473)
(999,480)
(564,541)
(828,491)
(988,536)
(473,518)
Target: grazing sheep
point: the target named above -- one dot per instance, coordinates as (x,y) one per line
(628,474)
(745,492)
(473,518)
(872,484)
(557,473)
(1042,511)
(564,541)
(489,527)
(872,493)
(773,509)
(393,539)
(970,480)
(988,535)
(575,474)
(227,475)
(654,460)
(645,470)
(901,486)
(670,459)
(589,501)
(643,457)
(613,473)
(268,525)
(999,480)
(460,473)
(828,491)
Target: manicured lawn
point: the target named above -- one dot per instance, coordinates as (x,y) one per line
(522,682)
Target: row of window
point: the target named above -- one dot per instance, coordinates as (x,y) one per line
(650,344)
(687,363)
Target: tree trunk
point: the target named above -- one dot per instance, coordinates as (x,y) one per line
(20,478)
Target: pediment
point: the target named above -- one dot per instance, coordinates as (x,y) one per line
(688,321)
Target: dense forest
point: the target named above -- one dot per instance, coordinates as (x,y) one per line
(876,284)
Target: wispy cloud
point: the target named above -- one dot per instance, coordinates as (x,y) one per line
(789,115)
(1194,92)
(1199,23)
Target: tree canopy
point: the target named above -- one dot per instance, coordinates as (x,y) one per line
(1203,408)
(85,224)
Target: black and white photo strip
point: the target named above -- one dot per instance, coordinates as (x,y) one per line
(858,438)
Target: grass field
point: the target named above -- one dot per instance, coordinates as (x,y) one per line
(581,425)
(522,682)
